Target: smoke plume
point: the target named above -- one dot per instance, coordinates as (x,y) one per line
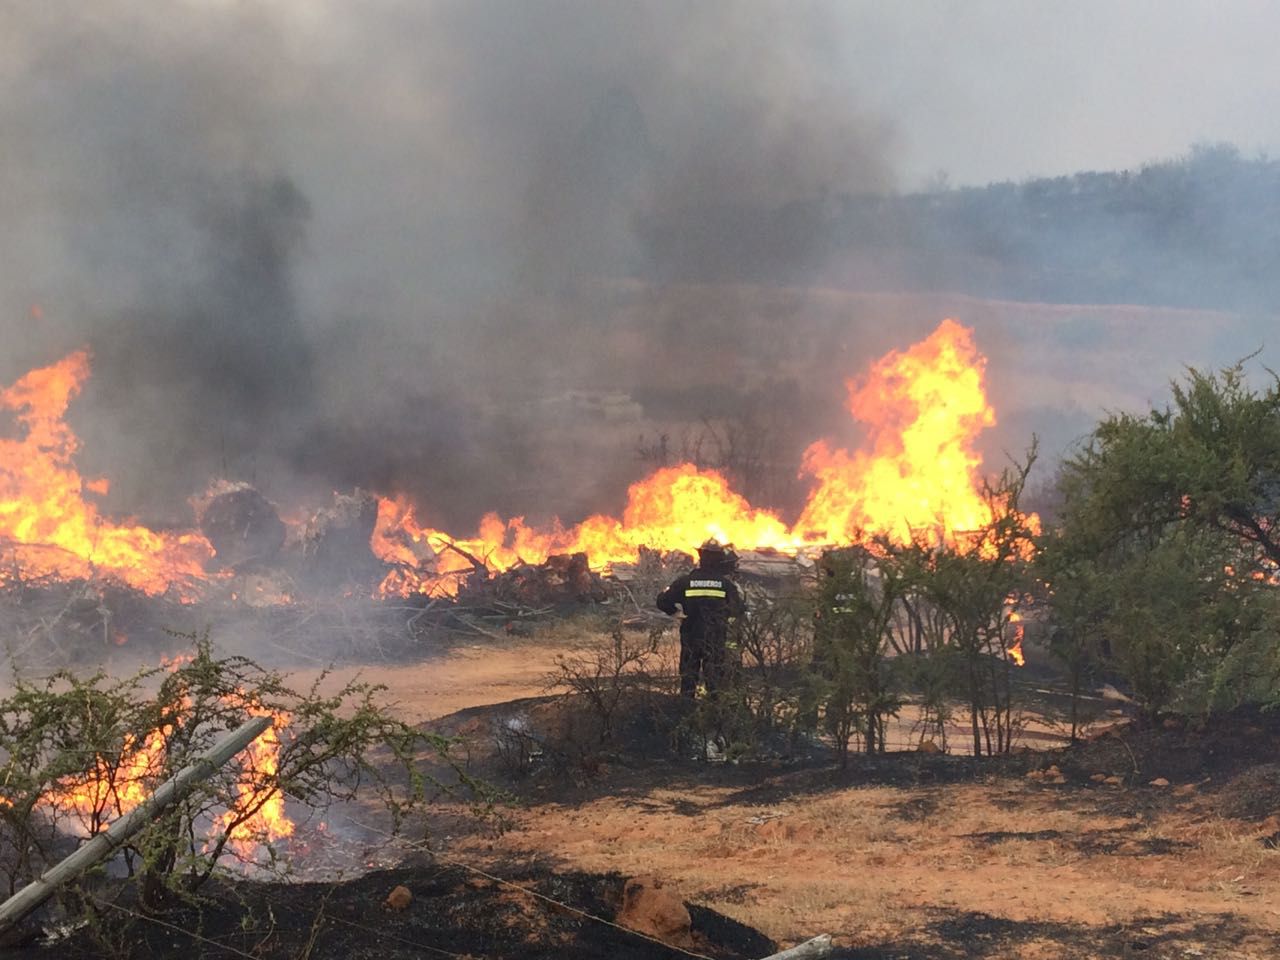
(399,245)
(511,255)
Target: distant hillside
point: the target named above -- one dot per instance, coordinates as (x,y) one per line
(1201,231)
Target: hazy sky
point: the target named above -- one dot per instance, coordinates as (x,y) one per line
(981,89)
(995,89)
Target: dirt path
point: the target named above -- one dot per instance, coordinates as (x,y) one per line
(468,676)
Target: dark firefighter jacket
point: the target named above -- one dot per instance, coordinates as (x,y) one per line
(710,600)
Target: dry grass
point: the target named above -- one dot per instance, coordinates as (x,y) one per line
(1231,847)
(875,863)
(847,861)
(585,626)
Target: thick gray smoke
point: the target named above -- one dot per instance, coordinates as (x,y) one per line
(405,245)
(509,255)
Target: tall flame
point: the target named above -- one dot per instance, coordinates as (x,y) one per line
(923,409)
(46,525)
(918,476)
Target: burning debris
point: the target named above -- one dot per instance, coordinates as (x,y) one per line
(335,542)
(918,478)
(242,526)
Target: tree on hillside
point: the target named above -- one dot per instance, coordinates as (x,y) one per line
(1198,230)
(1164,563)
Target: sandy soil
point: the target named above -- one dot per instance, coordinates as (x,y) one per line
(466,677)
(1017,865)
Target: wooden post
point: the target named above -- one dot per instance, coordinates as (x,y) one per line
(104,844)
(809,950)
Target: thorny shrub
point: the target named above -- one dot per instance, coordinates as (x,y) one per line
(770,655)
(78,752)
(624,688)
(623,672)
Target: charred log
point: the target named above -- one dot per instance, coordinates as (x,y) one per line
(243,527)
(335,545)
(562,579)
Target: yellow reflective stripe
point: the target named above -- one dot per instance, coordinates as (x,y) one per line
(706,593)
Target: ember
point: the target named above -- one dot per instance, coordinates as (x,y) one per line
(1015,648)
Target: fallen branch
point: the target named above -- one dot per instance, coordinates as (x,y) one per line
(480,565)
(809,950)
(472,625)
(639,609)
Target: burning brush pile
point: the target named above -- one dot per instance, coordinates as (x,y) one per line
(367,568)
(66,564)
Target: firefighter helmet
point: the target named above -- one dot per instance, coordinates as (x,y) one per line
(711,551)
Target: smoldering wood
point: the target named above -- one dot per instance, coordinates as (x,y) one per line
(303,607)
(561,579)
(243,527)
(97,849)
(47,623)
(334,545)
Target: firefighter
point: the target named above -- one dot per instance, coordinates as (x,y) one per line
(706,601)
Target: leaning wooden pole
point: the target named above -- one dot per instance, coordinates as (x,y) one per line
(114,837)
(809,950)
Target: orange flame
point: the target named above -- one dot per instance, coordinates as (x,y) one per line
(1015,648)
(267,820)
(115,785)
(920,478)
(44,518)
(675,508)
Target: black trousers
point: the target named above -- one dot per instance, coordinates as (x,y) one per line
(702,657)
